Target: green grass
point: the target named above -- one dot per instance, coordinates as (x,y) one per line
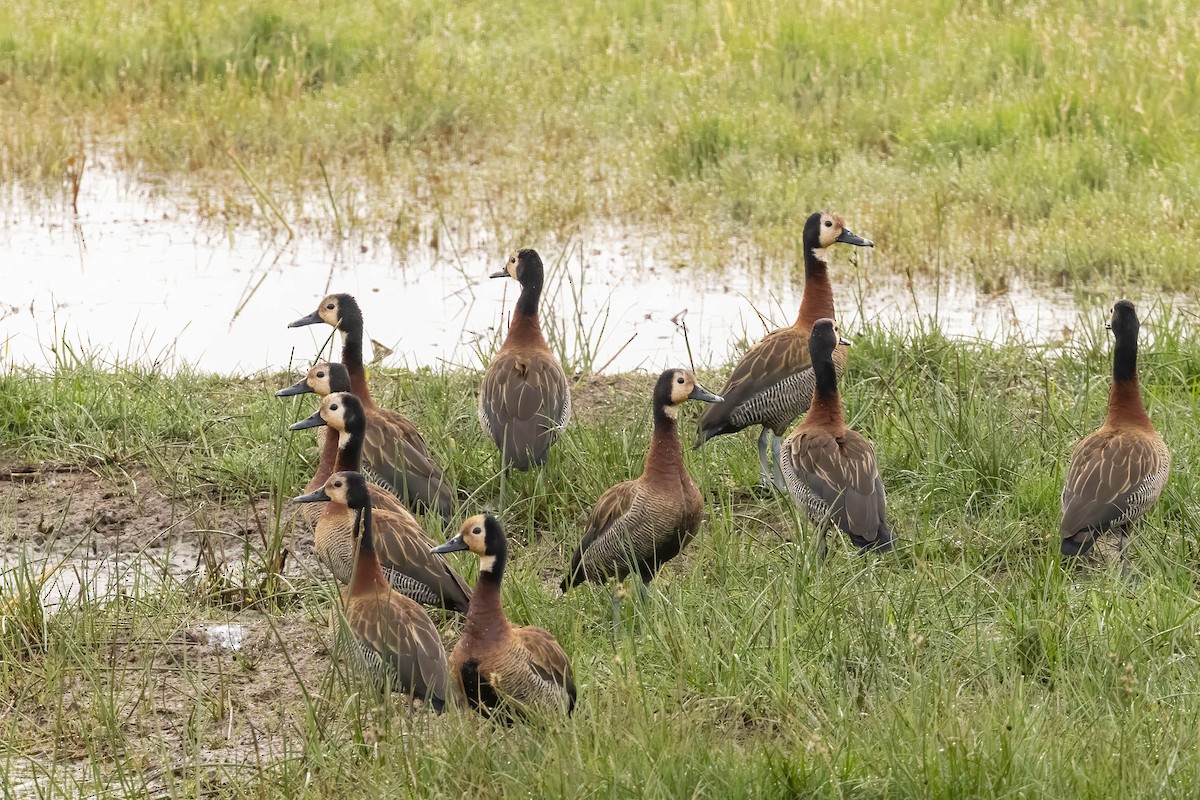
(1048,141)
(969,664)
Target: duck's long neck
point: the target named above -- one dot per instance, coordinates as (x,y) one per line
(352,357)
(817,301)
(349,450)
(826,408)
(485,613)
(525,321)
(325,467)
(367,570)
(664,458)
(1125,396)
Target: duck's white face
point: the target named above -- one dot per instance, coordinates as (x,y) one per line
(472,532)
(333,411)
(682,384)
(318,379)
(511,266)
(338,489)
(831,228)
(329,312)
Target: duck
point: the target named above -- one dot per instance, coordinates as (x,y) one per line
(397,641)
(323,378)
(524,402)
(772,384)
(829,468)
(499,668)
(401,544)
(395,452)
(639,525)
(1117,472)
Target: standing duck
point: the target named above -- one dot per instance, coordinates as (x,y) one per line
(830,469)
(524,402)
(498,666)
(1119,471)
(397,640)
(395,452)
(401,544)
(322,379)
(773,383)
(639,525)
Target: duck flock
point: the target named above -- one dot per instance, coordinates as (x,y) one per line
(375,470)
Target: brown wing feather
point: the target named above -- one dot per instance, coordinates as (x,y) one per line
(402,545)
(611,506)
(840,470)
(548,659)
(397,453)
(406,640)
(1108,468)
(523,402)
(781,353)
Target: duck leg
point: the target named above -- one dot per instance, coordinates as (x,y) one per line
(764,467)
(776,446)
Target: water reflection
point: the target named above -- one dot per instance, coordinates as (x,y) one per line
(134,278)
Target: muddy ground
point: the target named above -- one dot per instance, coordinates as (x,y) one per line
(190,690)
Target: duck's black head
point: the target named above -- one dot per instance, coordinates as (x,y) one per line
(823,340)
(324,378)
(675,386)
(823,229)
(1124,323)
(339,310)
(523,266)
(347,488)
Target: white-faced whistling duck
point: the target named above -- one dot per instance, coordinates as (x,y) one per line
(322,379)
(524,402)
(397,640)
(394,451)
(773,383)
(1119,471)
(341,451)
(830,469)
(639,525)
(401,544)
(497,667)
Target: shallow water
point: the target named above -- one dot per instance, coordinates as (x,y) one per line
(136,276)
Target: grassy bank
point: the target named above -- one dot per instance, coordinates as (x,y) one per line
(968,665)
(1055,141)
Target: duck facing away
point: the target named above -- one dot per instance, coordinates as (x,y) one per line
(498,667)
(773,383)
(830,469)
(1117,472)
(639,525)
(400,543)
(394,451)
(397,641)
(524,402)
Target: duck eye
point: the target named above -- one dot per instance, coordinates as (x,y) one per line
(679,379)
(333,407)
(476,531)
(828,223)
(338,485)
(320,374)
(512,260)
(330,306)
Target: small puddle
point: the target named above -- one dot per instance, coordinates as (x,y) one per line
(135,278)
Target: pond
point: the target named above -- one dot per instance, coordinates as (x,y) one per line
(137,276)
